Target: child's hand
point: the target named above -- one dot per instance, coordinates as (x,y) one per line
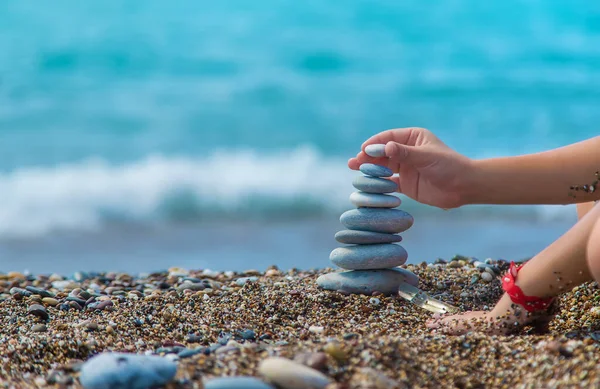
(429,171)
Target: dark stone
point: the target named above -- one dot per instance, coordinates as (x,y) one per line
(40,291)
(100,305)
(350,336)
(572,335)
(39,311)
(188,353)
(565,352)
(247,334)
(79,301)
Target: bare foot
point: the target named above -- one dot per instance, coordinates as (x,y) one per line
(504,319)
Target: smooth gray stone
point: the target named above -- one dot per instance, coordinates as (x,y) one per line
(374,185)
(368,281)
(375,151)
(391,221)
(372,200)
(236,383)
(126,371)
(366,237)
(370,169)
(287,374)
(367,257)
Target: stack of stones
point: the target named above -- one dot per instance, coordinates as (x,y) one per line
(373,257)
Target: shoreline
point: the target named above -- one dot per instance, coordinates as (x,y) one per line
(226,246)
(231,321)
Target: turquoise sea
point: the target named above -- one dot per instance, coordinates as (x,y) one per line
(141,135)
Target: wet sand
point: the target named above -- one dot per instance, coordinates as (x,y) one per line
(226,325)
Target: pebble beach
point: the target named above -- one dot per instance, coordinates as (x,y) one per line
(264,324)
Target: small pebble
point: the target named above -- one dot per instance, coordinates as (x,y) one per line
(291,375)
(39,328)
(316,329)
(236,383)
(336,351)
(242,281)
(373,170)
(316,361)
(39,311)
(486,277)
(375,151)
(39,291)
(50,301)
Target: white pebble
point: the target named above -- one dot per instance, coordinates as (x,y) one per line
(487,277)
(374,301)
(375,151)
(316,329)
(291,375)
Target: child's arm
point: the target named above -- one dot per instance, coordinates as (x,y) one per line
(434,174)
(542,178)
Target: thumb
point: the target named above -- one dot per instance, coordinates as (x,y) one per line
(412,155)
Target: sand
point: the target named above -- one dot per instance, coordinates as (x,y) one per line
(358,341)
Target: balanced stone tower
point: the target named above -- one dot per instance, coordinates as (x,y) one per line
(372,258)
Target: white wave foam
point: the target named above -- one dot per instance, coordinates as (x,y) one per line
(35,201)
(83,196)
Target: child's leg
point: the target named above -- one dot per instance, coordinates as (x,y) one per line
(593,251)
(584,208)
(557,269)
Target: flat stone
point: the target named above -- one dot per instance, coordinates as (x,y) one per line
(287,374)
(374,185)
(188,353)
(39,328)
(243,280)
(366,237)
(19,291)
(191,286)
(39,291)
(375,151)
(236,383)
(366,257)
(50,301)
(370,169)
(391,221)
(126,371)
(368,281)
(374,200)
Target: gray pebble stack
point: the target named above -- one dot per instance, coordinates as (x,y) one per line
(371,234)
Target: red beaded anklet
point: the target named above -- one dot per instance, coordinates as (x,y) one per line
(530,303)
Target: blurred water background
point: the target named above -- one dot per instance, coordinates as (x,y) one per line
(136,136)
